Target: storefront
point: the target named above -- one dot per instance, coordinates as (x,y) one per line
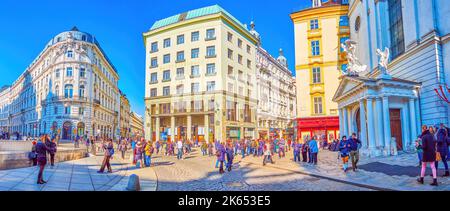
(324,128)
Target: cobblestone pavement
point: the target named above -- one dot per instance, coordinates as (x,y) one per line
(197,173)
(77,175)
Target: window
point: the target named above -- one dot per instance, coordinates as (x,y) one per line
(230,54)
(210,51)
(69,72)
(315,48)
(81,91)
(396,28)
(210,86)
(314,24)
(239,43)
(318,105)
(57,73)
(154,78)
(154,62)
(210,34)
(230,71)
(180,56)
(67,110)
(230,87)
(180,89)
(195,87)
(166,91)
(154,47)
(68,91)
(167,43)
(153,92)
(249,64)
(82,72)
(180,39)
(194,53)
(343,21)
(342,41)
(166,75)
(195,36)
(230,37)
(195,71)
(70,54)
(211,105)
(239,59)
(240,75)
(316,75)
(211,69)
(248,49)
(57,90)
(166,58)
(241,90)
(180,72)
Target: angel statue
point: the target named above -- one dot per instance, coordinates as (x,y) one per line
(384,60)
(354,66)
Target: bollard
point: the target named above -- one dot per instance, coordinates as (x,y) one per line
(133,183)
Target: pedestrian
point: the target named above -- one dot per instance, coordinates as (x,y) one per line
(297,147)
(123,148)
(108,148)
(52,150)
(442,148)
(148,153)
(204,148)
(282,147)
(230,156)
(304,151)
(314,150)
(355,144)
(33,155)
(139,148)
(344,151)
(220,153)
(41,150)
(268,152)
(429,155)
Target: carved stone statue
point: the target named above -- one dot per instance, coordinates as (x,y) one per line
(354,65)
(384,60)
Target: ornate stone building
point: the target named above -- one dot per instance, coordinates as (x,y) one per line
(125,116)
(69,89)
(136,125)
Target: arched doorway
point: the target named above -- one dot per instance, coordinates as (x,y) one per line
(67,131)
(80,129)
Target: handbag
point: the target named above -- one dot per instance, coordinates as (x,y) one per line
(438,156)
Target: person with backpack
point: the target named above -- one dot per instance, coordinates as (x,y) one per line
(148,153)
(33,155)
(344,151)
(442,147)
(109,152)
(429,155)
(52,150)
(355,144)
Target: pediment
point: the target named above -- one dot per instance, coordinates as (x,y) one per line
(346,85)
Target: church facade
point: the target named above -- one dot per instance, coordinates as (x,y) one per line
(386,104)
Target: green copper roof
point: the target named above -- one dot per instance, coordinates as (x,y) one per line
(194,14)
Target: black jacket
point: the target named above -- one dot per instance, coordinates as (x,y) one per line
(429,147)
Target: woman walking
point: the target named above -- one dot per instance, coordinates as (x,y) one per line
(41,150)
(123,148)
(442,148)
(109,152)
(297,147)
(344,151)
(230,156)
(139,150)
(52,150)
(429,155)
(220,152)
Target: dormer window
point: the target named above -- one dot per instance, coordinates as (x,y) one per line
(69,54)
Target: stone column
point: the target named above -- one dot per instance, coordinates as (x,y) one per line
(386,126)
(345,121)
(412,116)
(158,128)
(371,125)
(380,130)
(418,118)
(206,127)
(405,127)
(341,120)
(362,114)
(172,128)
(189,127)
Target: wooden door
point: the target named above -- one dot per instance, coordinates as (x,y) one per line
(396,127)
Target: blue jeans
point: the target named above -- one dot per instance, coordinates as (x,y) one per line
(180,154)
(148,160)
(243,153)
(296,156)
(420,156)
(444,160)
(217,163)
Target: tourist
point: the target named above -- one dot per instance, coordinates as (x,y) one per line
(304,151)
(33,155)
(109,152)
(282,147)
(51,145)
(442,147)
(123,148)
(419,149)
(230,156)
(314,150)
(429,155)
(355,144)
(148,153)
(180,150)
(220,152)
(344,151)
(88,143)
(204,148)
(268,152)
(41,150)
(139,149)
(157,145)
(210,149)
(297,147)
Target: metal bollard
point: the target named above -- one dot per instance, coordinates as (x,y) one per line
(133,183)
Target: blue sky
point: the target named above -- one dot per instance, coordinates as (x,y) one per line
(25,28)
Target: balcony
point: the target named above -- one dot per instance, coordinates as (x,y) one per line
(64,99)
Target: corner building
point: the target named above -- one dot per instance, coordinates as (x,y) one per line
(200,77)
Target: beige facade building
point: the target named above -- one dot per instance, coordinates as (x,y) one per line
(125,116)
(200,77)
(136,125)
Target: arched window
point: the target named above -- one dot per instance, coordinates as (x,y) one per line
(68,91)
(81,91)
(56,90)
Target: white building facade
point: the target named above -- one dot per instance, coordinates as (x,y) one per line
(70,89)
(387,110)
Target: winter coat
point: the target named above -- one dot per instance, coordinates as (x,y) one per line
(41,150)
(354,144)
(429,147)
(221,152)
(442,145)
(51,147)
(344,148)
(313,146)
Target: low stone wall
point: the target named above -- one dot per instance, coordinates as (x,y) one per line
(13,160)
(15,146)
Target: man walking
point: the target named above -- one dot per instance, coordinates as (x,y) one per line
(180,150)
(355,145)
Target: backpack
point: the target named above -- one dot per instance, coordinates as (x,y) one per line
(111,151)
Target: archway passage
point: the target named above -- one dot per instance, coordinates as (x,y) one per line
(67,131)
(81,129)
